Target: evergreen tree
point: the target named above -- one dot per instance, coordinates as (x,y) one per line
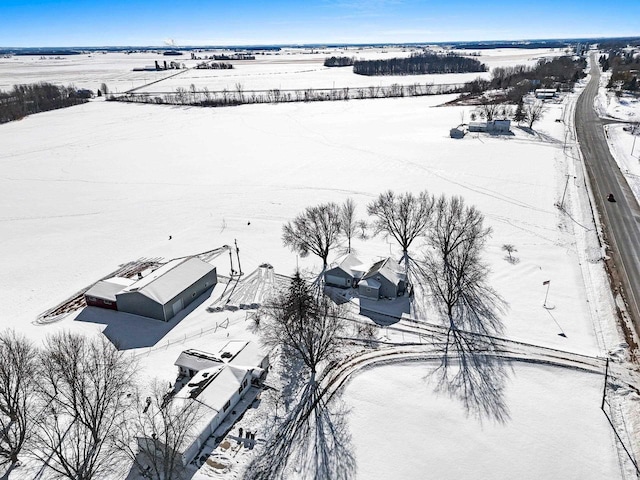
(519,116)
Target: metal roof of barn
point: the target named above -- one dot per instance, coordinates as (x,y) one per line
(168,281)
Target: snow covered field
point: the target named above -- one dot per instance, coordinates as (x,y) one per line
(88,188)
(288,69)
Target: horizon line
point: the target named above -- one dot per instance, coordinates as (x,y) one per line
(332,44)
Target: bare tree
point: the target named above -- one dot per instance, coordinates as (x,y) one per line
(158,430)
(17,395)
(457,275)
(316,230)
(362,229)
(457,279)
(85,388)
(348,222)
(240,92)
(304,325)
(489,111)
(405,217)
(510,249)
(534,111)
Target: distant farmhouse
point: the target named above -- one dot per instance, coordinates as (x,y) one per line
(545,93)
(159,295)
(495,127)
(491,126)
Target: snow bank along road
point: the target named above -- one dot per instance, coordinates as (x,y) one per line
(622,218)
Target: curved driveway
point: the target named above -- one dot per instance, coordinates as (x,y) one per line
(621,220)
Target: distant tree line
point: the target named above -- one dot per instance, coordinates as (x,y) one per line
(618,43)
(560,73)
(235,56)
(419,63)
(624,66)
(215,65)
(338,62)
(207,98)
(25,100)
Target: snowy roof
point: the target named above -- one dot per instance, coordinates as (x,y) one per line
(197,360)
(107,289)
(386,269)
(166,282)
(214,386)
(242,353)
(351,265)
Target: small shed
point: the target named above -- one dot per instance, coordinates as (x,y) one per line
(166,291)
(382,280)
(346,272)
(103,293)
(456,132)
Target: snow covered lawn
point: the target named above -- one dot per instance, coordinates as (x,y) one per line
(556,429)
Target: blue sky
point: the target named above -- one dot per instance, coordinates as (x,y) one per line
(47,23)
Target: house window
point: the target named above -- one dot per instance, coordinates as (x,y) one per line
(193,294)
(368,290)
(206,284)
(108,302)
(226,406)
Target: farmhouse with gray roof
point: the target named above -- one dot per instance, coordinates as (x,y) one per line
(382,280)
(346,272)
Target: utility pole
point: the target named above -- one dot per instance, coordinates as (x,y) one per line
(548,284)
(231,260)
(238,255)
(604,390)
(565,191)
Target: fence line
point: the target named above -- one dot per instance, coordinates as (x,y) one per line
(185,337)
(220,98)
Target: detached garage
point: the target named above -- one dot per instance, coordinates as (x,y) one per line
(167,290)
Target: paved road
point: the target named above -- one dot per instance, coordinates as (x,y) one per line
(622,218)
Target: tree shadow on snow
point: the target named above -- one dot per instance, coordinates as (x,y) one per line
(312,441)
(472,373)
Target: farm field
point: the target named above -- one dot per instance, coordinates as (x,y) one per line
(287,69)
(89,188)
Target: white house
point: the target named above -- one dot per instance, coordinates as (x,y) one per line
(217,389)
(492,126)
(217,381)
